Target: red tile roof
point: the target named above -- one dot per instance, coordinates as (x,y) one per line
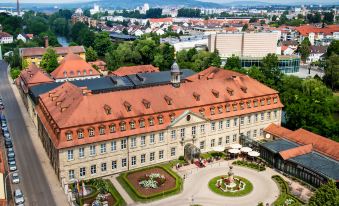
(39,51)
(4,34)
(70,109)
(72,64)
(297,151)
(99,63)
(213,73)
(306,29)
(161,20)
(128,70)
(301,136)
(33,76)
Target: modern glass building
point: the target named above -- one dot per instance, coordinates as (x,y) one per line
(287,64)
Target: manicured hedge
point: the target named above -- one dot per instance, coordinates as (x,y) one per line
(249,165)
(285,193)
(247,190)
(136,196)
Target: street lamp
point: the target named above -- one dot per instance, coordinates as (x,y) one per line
(6,185)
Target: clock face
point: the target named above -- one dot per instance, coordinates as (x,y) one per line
(268,136)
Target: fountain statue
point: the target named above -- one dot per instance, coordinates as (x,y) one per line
(230,175)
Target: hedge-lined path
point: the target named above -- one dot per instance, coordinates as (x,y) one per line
(121,190)
(196,187)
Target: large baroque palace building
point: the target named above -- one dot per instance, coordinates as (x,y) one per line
(88,135)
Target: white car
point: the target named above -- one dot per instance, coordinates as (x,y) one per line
(12,166)
(18,197)
(15,178)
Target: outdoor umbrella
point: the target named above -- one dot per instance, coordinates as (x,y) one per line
(236,146)
(234,151)
(246,149)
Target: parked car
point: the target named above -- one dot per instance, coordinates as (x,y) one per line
(11,154)
(15,178)
(12,166)
(6,134)
(8,144)
(10,159)
(18,197)
(10,150)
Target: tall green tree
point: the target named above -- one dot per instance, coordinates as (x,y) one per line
(305,49)
(270,69)
(331,77)
(326,195)
(333,48)
(233,63)
(91,55)
(102,43)
(49,60)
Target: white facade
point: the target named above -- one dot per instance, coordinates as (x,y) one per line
(6,40)
(21,37)
(76,78)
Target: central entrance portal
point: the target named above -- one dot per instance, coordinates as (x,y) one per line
(191,152)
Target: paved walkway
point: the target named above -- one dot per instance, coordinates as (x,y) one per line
(196,187)
(54,184)
(121,190)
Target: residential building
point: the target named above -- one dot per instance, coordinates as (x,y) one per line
(316,33)
(302,154)
(141,122)
(316,54)
(5,38)
(73,67)
(34,54)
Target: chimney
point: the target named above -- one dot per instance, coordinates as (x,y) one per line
(46,41)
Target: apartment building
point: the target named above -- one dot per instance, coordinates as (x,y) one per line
(243,44)
(90,135)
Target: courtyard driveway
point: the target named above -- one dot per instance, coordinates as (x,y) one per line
(196,187)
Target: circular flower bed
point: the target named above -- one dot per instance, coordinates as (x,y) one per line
(153,180)
(223,186)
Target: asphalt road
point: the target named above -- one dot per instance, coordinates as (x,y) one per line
(33,181)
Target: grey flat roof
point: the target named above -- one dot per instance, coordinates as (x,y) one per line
(279,145)
(318,163)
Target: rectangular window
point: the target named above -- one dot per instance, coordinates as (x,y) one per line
(220,125)
(143,158)
(182,132)
(202,129)
(227,139)
(212,111)
(143,140)
(234,137)
(220,141)
(234,107)
(261,132)
(242,120)
(71,175)
(152,156)
(70,155)
(255,133)
(123,162)
(173,134)
(275,114)
(213,126)
(212,142)
(101,130)
(123,126)
(227,108)
(268,115)
(275,100)
(112,128)
(248,134)
(103,148)
(81,152)
(133,142)
(114,164)
(82,171)
(69,136)
(160,120)
(151,122)
(91,132)
(161,154)
(80,134)
(161,137)
(235,122)
(92,150)
(152,138)
(262,102)
(123,143)
(93,169)
(228,123)
(113,146)
(103,167)
(132,125)
(133,160)
(193,130)
(262,116)
(142,123)
(249,119)
(202,145)
(256,117)
(255,103)
(173,151)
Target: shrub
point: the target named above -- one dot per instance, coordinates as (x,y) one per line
(181,158)
(15,72)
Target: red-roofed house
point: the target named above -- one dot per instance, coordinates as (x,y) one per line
(5,38)
(315,33)
(73,67)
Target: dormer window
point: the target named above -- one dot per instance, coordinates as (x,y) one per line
(112,128)
(132,124)
(151,121)
(268,101)
(102,130)
(90,71)
(107,109)
(85,73)
(230,91)
(249,104)
(212,110)
(242,106)
(172,116)
(196,96)
(262,102)
(235,106)
(91,132)
(168,100)
(255,103)
(122,126)
(228,107)
(79,73)
(69,136)
(219,109)
(80,134)
(202,111)
(65,74)
(215,93)
(146,103)
(142,123)
(275,100)
(160,119)
(71,73)
(128,106)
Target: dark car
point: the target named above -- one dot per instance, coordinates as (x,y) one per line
(8,144)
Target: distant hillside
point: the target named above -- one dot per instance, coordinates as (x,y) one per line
(248,3)
(155,3)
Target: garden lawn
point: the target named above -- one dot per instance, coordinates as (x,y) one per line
(212,185)
(285,196)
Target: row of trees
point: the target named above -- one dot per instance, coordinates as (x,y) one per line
(151,13)
(188,12)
